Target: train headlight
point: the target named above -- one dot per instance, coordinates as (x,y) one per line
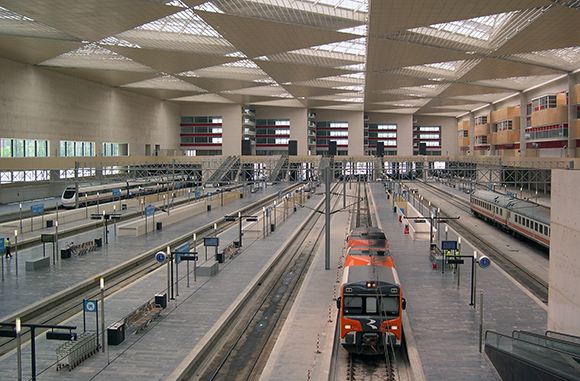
(347,326)
(394,327)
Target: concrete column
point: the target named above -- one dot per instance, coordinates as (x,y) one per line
(571,149)
(471,132)
(523,121)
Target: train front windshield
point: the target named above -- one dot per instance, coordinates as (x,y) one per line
(68,193)
(368,305)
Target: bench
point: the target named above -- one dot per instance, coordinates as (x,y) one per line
(143,315)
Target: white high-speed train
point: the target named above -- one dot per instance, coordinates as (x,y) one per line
(91,194)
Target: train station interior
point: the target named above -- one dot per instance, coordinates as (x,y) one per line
(139,127)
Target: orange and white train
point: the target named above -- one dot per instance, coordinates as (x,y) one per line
(516,216)
(371,299)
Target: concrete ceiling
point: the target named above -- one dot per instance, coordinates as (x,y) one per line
(410,57)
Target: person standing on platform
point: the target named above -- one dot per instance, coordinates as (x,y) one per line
(7,248)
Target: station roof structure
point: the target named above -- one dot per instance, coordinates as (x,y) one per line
(425,57)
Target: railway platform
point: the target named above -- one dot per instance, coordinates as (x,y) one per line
(159,349)
(443,327)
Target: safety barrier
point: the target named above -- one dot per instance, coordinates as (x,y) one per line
(72,353)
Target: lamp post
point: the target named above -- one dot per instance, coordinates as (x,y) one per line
(20,215)
(97,202)
(86,207)
(18,328)
(56,234)
(16,250)
(102,287)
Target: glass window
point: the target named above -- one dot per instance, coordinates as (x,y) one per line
(371,305)
(353,305)
(390,305)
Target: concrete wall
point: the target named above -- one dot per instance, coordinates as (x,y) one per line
(231,122)
(564,292)
(37,103)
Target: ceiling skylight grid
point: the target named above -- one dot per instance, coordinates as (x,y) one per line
(516,83)
(14,24)
(166,82)
(481,35)
(245,72)
(93,56)
(564,59)
(300,12)
(357,46)
(574,4)
(439,71)
(429,91)
(316,58)
(485,98)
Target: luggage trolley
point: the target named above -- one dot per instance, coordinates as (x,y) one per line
(72,353)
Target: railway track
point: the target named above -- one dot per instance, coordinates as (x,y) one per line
(246,346)
(532,282)
(393,364)
(59,307)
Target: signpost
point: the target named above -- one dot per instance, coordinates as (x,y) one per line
(149,211)
(36,209)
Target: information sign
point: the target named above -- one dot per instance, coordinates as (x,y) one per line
(149,210)
(449,245)
(197,192)
(211,241)
(36,209)
(90,305)
(2,245)
(183,248)
(116,192)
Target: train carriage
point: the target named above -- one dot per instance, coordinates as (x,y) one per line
(370,306)
(368,236)
(520,217)
(364,255)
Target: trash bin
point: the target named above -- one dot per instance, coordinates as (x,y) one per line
(220,257)
(65,254)
(116,334)
(272,227)
(161,300)
(208,208)
(49,223)
(394,209)
(99,242)
(236,243)
(123,206)
(159,225)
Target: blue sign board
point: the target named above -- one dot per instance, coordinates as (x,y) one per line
(280,194)
(182,248)
(489,186)
(177,185)
(116,192)
(36,209)
(509,194)
(197,192)
(149,210)
(2,245)
(90,306)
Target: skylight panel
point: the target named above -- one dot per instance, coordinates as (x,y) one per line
(482,35)
(357,47)
(184,22)
(335,15)
(12,23)
(93,56)
(564,59)
(439,71)
(166,82)
(419,91)
(517,83)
